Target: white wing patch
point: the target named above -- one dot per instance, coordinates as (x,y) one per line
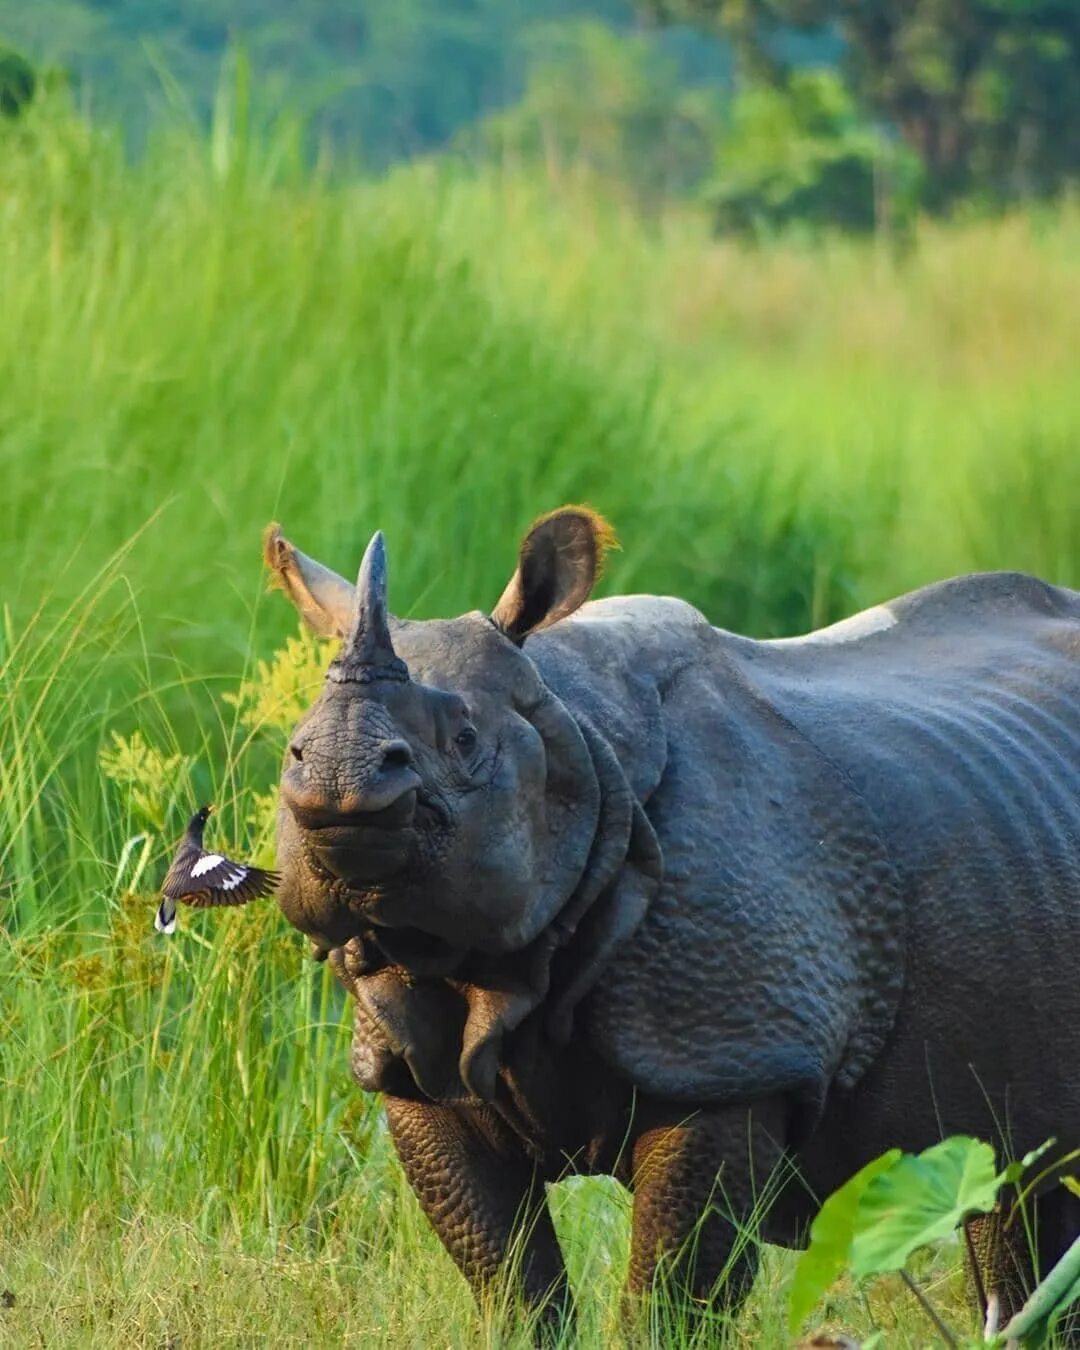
(207,864)
(231,882)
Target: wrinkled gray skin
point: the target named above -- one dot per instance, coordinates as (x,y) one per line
(618,891)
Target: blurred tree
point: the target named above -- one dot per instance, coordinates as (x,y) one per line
(801,153)
(610,104)
(386,77)
(17,82)
(987,92)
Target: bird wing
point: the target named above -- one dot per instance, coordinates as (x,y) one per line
(213,879)
(233,883)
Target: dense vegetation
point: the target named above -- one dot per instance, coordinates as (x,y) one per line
(217,335)
(984,91)
(935,102)
(387,77)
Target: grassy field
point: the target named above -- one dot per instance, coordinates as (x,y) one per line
(215,337)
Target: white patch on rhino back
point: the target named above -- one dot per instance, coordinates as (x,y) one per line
(664,615)
(874,620)
(654,612)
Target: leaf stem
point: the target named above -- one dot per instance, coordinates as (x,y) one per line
(976,1271)
(928,1308)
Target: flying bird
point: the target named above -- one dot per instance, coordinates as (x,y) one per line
(201,878)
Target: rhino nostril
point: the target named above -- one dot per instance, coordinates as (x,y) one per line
(397,755)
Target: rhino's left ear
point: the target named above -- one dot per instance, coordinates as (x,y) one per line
(560,561)
(323,599)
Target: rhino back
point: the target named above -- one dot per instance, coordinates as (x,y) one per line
(959,723)
(960,726)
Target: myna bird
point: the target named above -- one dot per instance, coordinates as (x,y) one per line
(200,878)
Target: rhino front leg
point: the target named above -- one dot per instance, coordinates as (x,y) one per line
(484,1198)
(699,1181)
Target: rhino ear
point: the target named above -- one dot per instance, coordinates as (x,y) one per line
(560,561)
(323,599)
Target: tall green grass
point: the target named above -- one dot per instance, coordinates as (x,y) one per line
(216,336)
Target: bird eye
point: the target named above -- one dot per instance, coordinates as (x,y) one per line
(465,740)
(296,752)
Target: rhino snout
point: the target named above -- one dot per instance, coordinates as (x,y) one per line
(388,775)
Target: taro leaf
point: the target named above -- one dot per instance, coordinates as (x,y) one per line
(831,1234)
(920,1200)
(1035,1322)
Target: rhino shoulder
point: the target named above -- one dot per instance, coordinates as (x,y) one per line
(612,663)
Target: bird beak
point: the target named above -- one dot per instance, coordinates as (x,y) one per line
(211,809)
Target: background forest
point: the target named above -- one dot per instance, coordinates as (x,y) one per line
(768,110)
(789,290)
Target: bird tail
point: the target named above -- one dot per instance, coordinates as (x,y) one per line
(165,918)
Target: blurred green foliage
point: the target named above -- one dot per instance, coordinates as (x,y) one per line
(608,105)
(774,111)
(612,107)
(986,92)
(577,87)
(388,78)
(801,154)
(17,82)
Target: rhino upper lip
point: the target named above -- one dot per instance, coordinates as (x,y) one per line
(325,821)
(399,815)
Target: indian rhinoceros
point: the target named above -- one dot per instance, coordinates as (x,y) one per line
(617,891)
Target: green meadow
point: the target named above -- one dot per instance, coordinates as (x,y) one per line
(220,335)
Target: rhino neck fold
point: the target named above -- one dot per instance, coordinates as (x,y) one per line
(447,1032)
(621,878)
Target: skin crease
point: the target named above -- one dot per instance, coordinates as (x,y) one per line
(616,891)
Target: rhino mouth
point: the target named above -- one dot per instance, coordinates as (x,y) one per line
(364,861)
(363,847)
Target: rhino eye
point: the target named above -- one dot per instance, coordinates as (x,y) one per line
(465,740)
(296,753)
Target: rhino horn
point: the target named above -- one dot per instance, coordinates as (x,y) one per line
(368,644)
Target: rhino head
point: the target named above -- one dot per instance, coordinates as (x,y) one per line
(438,794)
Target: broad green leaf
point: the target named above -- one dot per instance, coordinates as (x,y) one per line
(831,1234)
(920,1200)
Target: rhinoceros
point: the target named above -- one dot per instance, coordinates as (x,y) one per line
(617,891)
